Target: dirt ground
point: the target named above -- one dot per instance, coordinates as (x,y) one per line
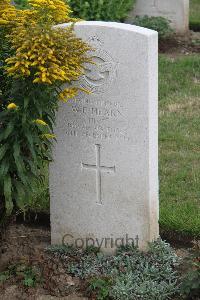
(181,45)
(25,245)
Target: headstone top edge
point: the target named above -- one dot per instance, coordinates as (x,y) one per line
(122,26)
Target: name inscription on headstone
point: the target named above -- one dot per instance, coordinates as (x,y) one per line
(100,119)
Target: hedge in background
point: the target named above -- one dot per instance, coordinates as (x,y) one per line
(97,10)
(159,24)
(195,25)
(195,15)
(101,10)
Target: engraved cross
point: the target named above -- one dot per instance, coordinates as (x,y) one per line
(98,168)
(155,3)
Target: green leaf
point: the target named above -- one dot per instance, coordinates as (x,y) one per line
(19,163)
(21,193)
(29,282)
(26,102)
(4,276)
(32,165)
(31,144)
(7,182)
(16,154)
(24,118)
(3,149)
(1,136)
(4,167)
(3,114)
(8,130)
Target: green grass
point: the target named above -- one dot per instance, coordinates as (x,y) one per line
(195,10)
(39,202)
(195,14)
(179,141)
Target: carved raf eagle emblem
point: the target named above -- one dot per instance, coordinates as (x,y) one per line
(101,73)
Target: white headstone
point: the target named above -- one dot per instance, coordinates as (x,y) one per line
(104,178)
(176,11)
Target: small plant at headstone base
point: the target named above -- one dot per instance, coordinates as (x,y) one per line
(101,287)
(101,10)
(159,24)
(31,277)
(28,275)
(36,59)
(195,25)
(190,287)
(4,276)
(92,249)
(129,274)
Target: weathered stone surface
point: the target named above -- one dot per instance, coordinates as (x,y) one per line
(104,178)
(177,11)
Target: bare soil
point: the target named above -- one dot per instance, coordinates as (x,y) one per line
(25,245)
(181,45)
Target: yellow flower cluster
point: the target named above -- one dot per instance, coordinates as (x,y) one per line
(44,135)
(11,106)
(68,93)
(48,136)
(40,122)
(57,11)
(46,11)
(46,54)
(7,12)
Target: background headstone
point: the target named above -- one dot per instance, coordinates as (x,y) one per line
(104,178)
(176,11)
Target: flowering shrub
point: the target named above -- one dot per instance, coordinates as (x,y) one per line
(35,60)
